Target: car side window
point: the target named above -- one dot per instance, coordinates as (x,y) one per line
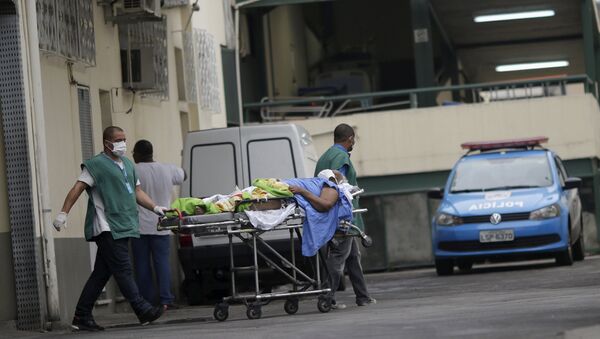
(562,173)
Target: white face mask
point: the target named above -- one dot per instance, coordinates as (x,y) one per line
(119,148)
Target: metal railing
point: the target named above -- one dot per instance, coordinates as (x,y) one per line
(409,98)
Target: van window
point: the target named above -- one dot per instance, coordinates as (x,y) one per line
(213,169)
(271,158)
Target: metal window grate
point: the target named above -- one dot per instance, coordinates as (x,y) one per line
(66,28)
(85,123)
(191,91)
(202,83)
(151,34)
(14,124)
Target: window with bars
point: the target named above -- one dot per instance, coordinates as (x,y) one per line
(66,28)
(202,83)
(144,61)
(85,123)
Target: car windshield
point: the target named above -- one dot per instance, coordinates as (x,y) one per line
(487,174)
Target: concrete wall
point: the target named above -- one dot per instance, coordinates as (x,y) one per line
(428,139)
(289,56)
(210,18)
(399,227)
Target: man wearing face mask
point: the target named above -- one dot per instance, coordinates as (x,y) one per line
(111,220)
(344,252)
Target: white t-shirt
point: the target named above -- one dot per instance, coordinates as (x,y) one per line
(157,180)
(100,223)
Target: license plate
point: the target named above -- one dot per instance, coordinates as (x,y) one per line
(496,236)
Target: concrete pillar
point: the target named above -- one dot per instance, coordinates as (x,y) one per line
(423,50)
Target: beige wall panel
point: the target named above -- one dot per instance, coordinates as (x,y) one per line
(211,18)
(289,50)
(428,139)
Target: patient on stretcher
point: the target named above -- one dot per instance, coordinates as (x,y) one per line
(324,205)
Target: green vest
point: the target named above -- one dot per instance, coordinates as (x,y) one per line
(120,207)
(335,158)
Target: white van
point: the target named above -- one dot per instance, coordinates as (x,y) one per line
(219,160)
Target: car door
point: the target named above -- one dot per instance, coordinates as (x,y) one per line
(572,199)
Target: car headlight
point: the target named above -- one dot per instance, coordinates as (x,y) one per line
(547,212)
(444,219)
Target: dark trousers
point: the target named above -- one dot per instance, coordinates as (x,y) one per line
(152,250)
(344,252)
(112,259)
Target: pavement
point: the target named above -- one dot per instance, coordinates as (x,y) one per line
(535,300)
(591,332)
(199,314)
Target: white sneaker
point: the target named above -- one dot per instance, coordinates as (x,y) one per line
(337,306)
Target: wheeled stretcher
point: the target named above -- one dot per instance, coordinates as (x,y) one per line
(238,225)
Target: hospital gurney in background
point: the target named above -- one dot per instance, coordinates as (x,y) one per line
(239,226)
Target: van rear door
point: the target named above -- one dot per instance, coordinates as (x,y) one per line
(213,161)
(269,152)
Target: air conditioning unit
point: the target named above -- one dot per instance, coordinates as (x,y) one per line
(138,8)
(137,68)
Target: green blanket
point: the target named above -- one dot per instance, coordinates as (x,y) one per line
(188,206)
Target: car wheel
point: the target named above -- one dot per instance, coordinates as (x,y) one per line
(579,246)
(444,266)
(565,258)
(465,266)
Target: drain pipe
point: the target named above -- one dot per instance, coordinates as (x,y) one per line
(40,168)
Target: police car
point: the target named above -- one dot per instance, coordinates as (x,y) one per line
(507,198)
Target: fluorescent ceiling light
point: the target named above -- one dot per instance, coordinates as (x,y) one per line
(514,16)
(531,65)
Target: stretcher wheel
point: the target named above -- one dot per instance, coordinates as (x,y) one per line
(253,312)
(221,312)
(291,306)
(324,304)
(367,241)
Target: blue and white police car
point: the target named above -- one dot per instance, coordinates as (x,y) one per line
(507,198)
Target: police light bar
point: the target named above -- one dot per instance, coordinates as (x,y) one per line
(508,143)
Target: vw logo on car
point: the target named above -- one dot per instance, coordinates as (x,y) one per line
(495,218)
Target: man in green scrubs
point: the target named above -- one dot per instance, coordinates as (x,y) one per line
(343,249)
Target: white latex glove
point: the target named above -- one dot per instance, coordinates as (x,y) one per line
(159,210)
(60,221)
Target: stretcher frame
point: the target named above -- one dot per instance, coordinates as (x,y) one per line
(240,227)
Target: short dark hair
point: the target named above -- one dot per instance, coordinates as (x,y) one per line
(342,132)
(143,150)
(110,131)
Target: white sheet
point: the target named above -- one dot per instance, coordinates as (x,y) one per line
(266,220)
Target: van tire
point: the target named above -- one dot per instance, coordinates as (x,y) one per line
(444,267)
(579,246)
